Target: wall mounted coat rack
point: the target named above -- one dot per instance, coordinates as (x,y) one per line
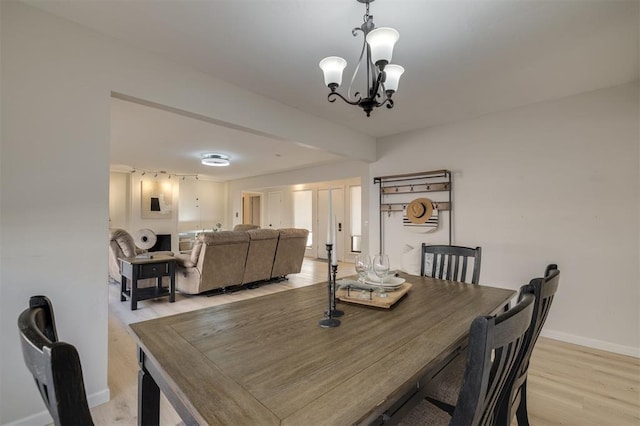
(436,181)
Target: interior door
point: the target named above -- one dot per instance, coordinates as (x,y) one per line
(337,201)
(274,212)
(255,210)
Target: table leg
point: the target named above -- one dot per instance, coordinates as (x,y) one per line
(172,285)
(123,287)
(148,396)
(134,288)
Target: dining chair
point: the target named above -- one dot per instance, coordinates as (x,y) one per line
(55,365)
(544,290)
(450,262)
(495,344)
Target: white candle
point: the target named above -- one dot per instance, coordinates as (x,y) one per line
(329,220)
(334,254)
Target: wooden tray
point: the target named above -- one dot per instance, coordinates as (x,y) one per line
(378,302)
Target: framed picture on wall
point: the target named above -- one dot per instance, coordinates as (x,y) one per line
(157,201)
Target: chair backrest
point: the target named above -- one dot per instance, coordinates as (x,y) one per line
(544,290)
(221,258)
(495,344)
(262,252)
(55,365)
(450,262)
(292,243)
(121,244)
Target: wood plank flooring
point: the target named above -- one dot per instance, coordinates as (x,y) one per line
(568,384)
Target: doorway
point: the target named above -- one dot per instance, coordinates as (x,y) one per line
(251,208)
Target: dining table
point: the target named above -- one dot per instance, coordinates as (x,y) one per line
(266,360)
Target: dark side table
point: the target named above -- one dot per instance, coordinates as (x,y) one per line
(138,268)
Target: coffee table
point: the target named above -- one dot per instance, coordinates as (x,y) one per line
(138,268)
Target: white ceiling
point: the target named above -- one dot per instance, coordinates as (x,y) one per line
(462,58)
(154,140)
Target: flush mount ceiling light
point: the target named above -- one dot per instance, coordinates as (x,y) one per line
(216,160)
(382,77)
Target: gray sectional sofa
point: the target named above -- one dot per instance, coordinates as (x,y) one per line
(228,258)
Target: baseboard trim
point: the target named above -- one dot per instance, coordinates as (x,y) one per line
(43,417)
(592,343)
(99,397)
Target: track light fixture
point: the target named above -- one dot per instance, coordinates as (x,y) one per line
(162,173)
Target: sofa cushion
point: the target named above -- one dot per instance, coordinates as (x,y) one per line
(195,250)
(262,250)
(223,237)
(245,227)
(286,233)
(184,260)
(262,234)
(290,251)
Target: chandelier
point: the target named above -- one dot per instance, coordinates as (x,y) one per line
(382,77)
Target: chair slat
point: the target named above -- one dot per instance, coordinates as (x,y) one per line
(451,262)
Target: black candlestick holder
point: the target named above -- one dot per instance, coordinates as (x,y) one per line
(330,321)
(335,312)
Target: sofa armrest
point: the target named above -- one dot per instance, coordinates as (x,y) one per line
(184,260)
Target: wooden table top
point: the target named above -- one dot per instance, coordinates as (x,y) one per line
(266,361)
(153,258)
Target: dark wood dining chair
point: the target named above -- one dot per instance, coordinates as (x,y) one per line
(544,290)
(55,365)
(450,262)
(495,344)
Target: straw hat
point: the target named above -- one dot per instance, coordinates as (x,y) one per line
(419,210)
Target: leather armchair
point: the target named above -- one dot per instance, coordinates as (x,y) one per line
(121,244)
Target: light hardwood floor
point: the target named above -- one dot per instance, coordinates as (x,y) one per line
(568,384)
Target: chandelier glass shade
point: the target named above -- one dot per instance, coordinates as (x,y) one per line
(382,77)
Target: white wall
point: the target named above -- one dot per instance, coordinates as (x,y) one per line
(57,78)
(202,204)
(552,182)
(119,200)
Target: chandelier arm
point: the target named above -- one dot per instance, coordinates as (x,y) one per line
(387,101)
(374,91)
(331,97)
(355,72)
